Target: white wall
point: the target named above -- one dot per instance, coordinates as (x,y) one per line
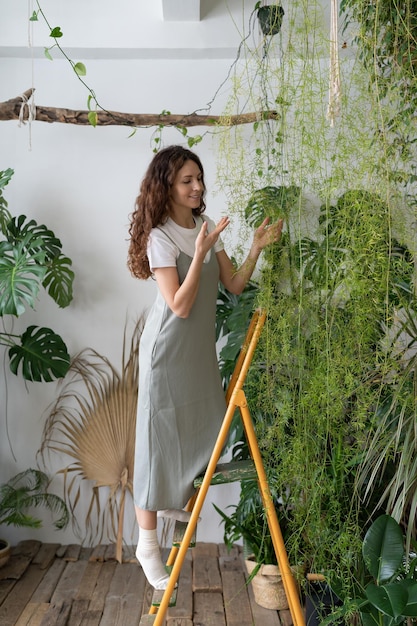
(82,182)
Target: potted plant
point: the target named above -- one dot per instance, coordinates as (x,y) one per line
(386,593)
(30,258)
(20,494)
(270,18)
(248,522)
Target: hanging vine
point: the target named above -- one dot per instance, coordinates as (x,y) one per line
(330,372)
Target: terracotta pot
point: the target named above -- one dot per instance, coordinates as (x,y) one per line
(267,586)
(5,552)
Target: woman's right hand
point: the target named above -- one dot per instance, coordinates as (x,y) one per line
(205,240)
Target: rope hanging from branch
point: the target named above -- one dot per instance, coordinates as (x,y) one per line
(333,109)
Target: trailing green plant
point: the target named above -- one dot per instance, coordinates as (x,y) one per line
(93,104)
(386,34)
(333,375)
(28,490)
(30,258)
(312,399)
(389,467)
(321,367)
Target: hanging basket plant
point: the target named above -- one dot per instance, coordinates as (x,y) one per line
(270,19)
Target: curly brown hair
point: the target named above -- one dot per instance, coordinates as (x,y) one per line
(153,203)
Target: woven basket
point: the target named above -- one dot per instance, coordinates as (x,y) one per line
(5,552)
(267,586)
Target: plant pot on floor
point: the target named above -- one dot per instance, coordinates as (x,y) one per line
(320,602)
(5,552)
(267,585)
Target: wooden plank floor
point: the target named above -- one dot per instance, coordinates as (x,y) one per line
(54,585)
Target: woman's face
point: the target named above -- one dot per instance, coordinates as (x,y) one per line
(187,188)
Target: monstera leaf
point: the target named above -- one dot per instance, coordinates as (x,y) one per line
(34,244)
(42,355)
(270,201)
(58,280)
(20,277)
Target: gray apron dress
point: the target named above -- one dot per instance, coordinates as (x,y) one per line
(181,401)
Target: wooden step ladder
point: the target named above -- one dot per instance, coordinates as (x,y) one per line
(220,473)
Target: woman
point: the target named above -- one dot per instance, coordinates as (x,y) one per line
(181,402)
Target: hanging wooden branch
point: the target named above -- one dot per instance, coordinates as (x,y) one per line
(22,109)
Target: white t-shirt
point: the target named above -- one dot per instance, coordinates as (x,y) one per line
(163,252)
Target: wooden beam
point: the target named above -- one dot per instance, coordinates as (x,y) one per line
(12,110)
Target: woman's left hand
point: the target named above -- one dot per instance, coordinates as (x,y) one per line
(267,233)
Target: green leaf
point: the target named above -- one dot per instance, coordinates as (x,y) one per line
(92,118)
(32,256)
(59,279)
(411,608)
(21,275)
(33,237)
(370,616)
(5,176)
(80,69)
(56,32)
(390,599)
(48,54)
(5,217)
(34,17)
(270,201)
(383,548)
(26,490)
(42,355)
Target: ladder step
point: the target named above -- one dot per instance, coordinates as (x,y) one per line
(230,472)
(158,594)
(147,620)
(179,532)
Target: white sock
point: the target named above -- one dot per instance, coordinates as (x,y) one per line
(149,556)
(177,514)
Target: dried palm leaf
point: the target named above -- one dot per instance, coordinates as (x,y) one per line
(93,422)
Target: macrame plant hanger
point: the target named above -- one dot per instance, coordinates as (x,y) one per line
(334,106)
